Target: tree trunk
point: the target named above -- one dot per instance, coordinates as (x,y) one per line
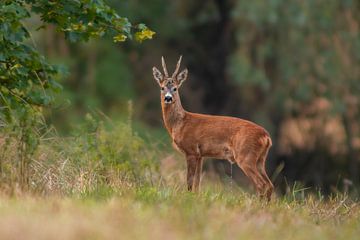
(353,157)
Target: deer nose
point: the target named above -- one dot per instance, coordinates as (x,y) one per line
(168,97)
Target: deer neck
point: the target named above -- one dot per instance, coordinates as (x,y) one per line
(173,114)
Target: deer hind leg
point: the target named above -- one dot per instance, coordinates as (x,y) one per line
(261,167)
(194,166)
(247,163)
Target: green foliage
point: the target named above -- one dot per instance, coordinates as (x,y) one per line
(27,79)
(24,74)
(304,49)
(113,151)
(85,19)
(99,154)
(114,78)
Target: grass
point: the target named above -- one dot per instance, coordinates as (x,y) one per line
(172,213)
(108,183)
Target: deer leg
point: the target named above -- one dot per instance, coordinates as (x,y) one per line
(191,171)
(262,170)
(254,176)
(248,165)
(198,171)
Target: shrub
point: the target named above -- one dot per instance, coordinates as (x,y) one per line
(99,153)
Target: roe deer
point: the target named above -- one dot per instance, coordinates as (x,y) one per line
(199,135)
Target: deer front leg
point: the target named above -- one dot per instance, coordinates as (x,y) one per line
(199,162)
(191,171)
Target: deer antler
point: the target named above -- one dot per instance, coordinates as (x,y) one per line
(164,67)
(177,67)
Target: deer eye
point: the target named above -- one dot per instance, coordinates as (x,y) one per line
(174,89)
(162,88)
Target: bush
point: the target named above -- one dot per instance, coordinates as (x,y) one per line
(99,153)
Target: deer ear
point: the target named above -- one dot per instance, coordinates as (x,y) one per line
(157,75)
(181,77)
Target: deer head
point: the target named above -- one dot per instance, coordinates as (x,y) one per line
(169,85)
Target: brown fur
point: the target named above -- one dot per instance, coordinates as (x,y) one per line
(234,139)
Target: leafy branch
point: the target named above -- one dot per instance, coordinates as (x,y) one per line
(24,71)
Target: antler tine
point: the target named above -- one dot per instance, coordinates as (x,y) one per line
(177,67)
(164,67)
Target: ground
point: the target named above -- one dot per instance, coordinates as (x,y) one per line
(150,212)
(112,184)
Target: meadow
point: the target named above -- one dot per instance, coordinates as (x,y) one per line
(290,66)
(168,213)
(107,182)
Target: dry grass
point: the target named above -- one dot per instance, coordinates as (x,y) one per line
(170,213)
(110,184)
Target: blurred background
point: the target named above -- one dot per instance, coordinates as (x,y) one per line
(291,66)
